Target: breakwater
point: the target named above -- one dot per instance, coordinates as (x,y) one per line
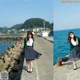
(12,59)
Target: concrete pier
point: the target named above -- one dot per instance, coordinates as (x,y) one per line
(66,71)
(43,67)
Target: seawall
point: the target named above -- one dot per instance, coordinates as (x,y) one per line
(12,59)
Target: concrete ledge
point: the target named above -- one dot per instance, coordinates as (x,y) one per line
(50,39)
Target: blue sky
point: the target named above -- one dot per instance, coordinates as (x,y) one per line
(17,11)
(66,15)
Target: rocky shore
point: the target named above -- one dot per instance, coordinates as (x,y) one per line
(12,59)
(9,40)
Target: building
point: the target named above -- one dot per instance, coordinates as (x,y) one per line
(44,33)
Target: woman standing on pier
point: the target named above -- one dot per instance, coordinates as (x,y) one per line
(74,48)
(30,53)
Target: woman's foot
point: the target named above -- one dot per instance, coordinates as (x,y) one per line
(30,71)
(74,64)
(75,67)
(40,54)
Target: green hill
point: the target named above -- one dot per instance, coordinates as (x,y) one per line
(33,23)
(17,26)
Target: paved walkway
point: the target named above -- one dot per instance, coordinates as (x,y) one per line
(51,39)
(66,72)
(43,67)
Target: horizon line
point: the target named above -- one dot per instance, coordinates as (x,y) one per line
(67,29)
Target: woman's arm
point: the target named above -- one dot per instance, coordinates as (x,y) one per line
(33,43)
(24,42)
(79,39)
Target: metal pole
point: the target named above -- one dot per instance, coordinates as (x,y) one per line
(44,25)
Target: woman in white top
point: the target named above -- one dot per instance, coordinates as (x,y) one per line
(30,53)
(74,48)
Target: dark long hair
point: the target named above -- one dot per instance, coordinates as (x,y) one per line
(69,38)
(29,33)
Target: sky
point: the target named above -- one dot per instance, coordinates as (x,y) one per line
(17,11)
(66,15)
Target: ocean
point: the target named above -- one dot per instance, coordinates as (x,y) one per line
(4,47)
(61,45)
(11,35)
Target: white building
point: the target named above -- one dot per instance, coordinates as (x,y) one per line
(38,29)
(44,33)
(21,30)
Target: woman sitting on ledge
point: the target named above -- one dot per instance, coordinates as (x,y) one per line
(74,48)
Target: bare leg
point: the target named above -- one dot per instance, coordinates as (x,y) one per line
(29,65)
(74,64)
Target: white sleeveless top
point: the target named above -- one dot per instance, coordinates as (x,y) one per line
(75,43)
(30,42)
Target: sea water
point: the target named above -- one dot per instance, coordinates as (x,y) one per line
(61,44)
(4,47)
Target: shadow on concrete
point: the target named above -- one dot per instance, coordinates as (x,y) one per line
(24,68)
(15,73)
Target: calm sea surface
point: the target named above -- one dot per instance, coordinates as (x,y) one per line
(61,45)
(4,47)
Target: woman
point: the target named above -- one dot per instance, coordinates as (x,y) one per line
(74,48)
(29,52)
